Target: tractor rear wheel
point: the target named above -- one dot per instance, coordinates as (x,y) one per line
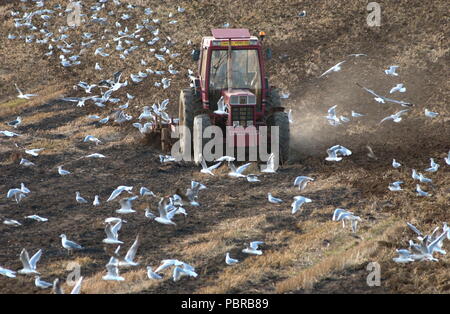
(188,105)
(201,122)
(281,120)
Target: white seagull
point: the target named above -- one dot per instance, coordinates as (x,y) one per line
(274,200)
(126,205)
(22,95)
(237,172)
(29,264)
(69,245)
(208,170)
(118,191)
(229,260)
(398,88)
(253,248)
(302,181)
(334,68)
(79,198)
(131,254)
(391,70)
(298,202)
(63,172)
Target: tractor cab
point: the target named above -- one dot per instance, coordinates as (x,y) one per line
(231,68)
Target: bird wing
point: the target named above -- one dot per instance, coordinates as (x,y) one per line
(35,258)
(115,193)
(25,259)
(77,288)
(110,234)
(431,247)
(254,245)
(243,167)
(413,228)
(165,264)
(20,92)
(215,166)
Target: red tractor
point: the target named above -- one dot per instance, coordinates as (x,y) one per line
(231,76)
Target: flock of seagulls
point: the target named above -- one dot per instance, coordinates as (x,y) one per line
(426,246)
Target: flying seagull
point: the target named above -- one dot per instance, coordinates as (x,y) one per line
(334,68)
(391,70)
(253,248)
(382,99)
(22,95)
(29,264)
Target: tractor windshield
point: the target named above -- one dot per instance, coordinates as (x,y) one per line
(245,72)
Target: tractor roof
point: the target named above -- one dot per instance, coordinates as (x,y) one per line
(225,33)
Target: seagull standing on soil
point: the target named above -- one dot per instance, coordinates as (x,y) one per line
(395,186)
(420,192)
(41,284)
(430,114)
(63,172)
(229,260)
(274,200)
(69,245)
(395,164)
(26,163)
(79,198)
(447,159)
(90,138)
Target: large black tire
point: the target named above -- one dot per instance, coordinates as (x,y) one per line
(188,105)
(281,120)
(274,99)
(201,122)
